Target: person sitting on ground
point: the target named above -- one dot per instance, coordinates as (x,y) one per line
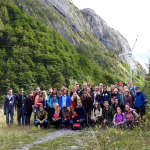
(87,102)
(97,114)
(41,118)
(105,96)
(74,100)
(68,117)
(80,110)
(119,119)
(118,104)
(108,113)
(57,116)
(132,118)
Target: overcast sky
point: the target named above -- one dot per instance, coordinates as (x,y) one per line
(129,17)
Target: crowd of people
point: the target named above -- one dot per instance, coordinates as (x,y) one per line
(121,106)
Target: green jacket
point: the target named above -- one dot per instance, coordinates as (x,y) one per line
(108,114)
(41,117)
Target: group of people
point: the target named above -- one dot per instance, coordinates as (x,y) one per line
(118,107)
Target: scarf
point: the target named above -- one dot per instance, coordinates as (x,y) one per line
(53,99)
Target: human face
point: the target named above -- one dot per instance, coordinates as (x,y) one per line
(50,90)
(21,92)
(130,83)
(41,108)
(85,86)
(116,85)
(44,94)
(31,94)
(118,110)
(37,89)
(96,89)
(105,88)
(79,103)
(126,93)
(96,105)
(68,108)
(138,90)
(101,84)
(127,107)
(112,101)
(55,107)
(85,95)
(106,104)
(75,95)
(77,86)
(74,88)
(54,91)
(121,89)
(10,92)
(116,101)
(88,90)
(65,91)
(90,86)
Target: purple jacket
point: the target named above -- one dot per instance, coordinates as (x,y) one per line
(119,118)
(128,100)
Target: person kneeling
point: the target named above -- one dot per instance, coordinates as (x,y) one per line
(80,110)
(97,114)
(119,119)
(57,116)
(41,118)
(69,114)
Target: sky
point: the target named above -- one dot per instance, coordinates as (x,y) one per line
(130,17)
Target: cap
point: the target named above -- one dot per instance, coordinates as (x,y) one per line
(137,88)
(121,83)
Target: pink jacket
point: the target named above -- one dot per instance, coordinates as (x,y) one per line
(36,102)
(131,114)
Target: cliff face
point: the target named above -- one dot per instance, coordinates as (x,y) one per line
(82,26)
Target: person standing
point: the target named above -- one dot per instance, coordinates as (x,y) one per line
(9,103)
(84,89)
(37,104)
(74,100)
(20,99)
(131,88)
(96,95)
(128,98)
(37,91)
(73,90)
(44,100)
(50,91)
(28,107)
(64,101)
(87,102)
(105,96)
(140,101)
(121,95)
(78,88)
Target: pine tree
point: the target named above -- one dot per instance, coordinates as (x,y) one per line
(4,14)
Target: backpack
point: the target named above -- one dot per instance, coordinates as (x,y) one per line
(76,126)
(134,116)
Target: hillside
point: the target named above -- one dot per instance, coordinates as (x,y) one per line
(33,54)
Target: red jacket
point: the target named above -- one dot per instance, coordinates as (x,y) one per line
(70,117)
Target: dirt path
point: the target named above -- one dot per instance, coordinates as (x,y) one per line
(49,136)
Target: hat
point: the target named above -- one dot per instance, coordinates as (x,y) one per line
(137,88)
(21,89)
(121,83)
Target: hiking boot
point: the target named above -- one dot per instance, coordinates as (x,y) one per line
(39,127)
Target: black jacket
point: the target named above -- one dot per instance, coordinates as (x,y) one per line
(98,97)
(28,105)
(19,100)
(87,103)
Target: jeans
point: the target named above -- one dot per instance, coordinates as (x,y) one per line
(119,126)
(63,112)
(20,114)
(88,116)
(37,109)
(38,123)
(27,118)
(81,121)
(141,110)
(11,112)
(50,115)
(67,122)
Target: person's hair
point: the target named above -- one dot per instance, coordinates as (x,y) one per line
(74,87)
(40,94)
(127,105)
(41,106)
(99,106)
(37,87)
(58,109)
(112,87)
(31,97)
(118,107)
(100,89)
(72,98)
(79,100)
(46,97)
(10,89)
(89,93)
(56,93)
(119,104)
(115,83)
(104,86)
(67,109)
(106,102)
(125,87)
(84,83)
(67,92)
(77,84)
(91,86)
(84,92)
(62,90)
(126,90)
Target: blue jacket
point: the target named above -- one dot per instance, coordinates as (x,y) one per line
(140,100)
(10,103)
(105,96)
(67,101)
(49,101)
(121,98)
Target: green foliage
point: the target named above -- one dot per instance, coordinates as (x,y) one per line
(4,14)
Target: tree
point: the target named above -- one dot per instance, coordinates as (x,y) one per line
(4,14)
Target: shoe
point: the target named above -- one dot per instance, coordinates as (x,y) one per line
(70,128)
(39,127)
(66,127)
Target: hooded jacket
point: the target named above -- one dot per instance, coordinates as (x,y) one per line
(105,96)
(9,102)
(131,114)
(140,100)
